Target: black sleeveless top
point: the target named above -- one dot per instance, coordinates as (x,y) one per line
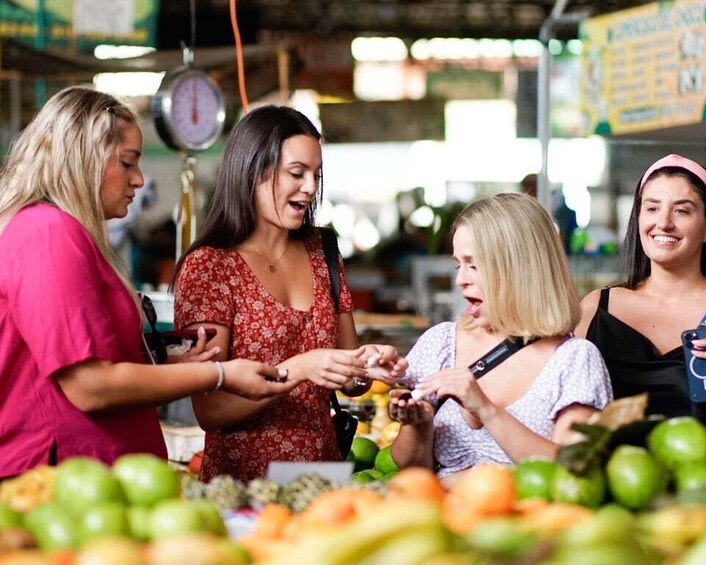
(635,366)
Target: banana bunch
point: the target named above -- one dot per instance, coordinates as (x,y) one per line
(403,533)
(674,528)
(24,492)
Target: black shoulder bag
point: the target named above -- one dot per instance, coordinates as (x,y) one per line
(345,423)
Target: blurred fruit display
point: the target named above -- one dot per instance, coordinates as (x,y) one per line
(605,502)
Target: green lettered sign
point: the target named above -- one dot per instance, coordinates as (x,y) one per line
(82,24)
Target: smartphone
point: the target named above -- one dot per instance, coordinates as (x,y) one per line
(695,367)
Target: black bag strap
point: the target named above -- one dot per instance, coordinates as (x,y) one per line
(507,348)
(334,403)
(330,245)
(497,355)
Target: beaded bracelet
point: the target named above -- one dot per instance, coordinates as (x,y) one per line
(221,375)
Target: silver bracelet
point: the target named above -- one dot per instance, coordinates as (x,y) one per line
(221,375)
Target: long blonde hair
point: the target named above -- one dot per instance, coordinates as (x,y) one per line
(60,157)
(528,287)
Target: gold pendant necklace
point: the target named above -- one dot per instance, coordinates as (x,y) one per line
(271,264)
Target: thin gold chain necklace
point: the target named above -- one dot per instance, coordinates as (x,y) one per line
(271,263)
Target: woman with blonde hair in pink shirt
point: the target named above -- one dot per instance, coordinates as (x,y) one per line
(72,381)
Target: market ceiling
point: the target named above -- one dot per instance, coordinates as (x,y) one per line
(411,19)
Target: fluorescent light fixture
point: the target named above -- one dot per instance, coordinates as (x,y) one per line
(527,47)
(120,51)
(575,46)
(378,49)
(128,84)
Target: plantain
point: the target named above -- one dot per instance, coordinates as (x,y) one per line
(411,547)
(381,526)
(674,527)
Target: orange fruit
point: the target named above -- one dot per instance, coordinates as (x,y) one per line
(457,515)
(414,483)
(332,508)
(272,520)
(488,489)
(379,387)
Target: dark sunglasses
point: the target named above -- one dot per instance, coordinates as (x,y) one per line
(154,339)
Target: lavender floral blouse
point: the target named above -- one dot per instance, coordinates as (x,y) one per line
(575,374)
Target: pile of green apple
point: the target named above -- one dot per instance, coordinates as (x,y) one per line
(138,497)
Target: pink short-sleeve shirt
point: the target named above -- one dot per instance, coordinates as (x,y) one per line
(61,303)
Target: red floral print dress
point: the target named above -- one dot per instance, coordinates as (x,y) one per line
(216,285)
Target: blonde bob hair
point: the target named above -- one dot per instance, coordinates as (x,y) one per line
(527,285)
(61,156)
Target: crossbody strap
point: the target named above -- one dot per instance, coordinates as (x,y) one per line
(330,246)
(506,349)
(497,355)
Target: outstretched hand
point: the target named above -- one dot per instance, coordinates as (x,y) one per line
(330,368)
(458,384)
(383,363)
(407,411)
(198,353)
(255,380)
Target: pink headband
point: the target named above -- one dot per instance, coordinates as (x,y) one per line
(675,161)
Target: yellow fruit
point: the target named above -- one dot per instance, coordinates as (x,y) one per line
(388,434)
(379,387)
(363,428)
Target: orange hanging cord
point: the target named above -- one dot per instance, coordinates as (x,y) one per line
(239,56)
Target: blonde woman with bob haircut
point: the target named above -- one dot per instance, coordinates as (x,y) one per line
(72,380)
(513,274)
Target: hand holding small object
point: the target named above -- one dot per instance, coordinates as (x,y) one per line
(404,409)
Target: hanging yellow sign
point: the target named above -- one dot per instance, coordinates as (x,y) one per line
(80,23)
(643,68)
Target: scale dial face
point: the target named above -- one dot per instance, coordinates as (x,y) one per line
(189,110)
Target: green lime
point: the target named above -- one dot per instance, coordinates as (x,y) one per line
(384,461)
(533,477)
(611,523)
(9,518)
(635,477)
(691,476)
(366,476)
(587,490)
(677,441)
(502,536)
(363,452)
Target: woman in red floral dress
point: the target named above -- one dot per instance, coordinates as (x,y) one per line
(257,274)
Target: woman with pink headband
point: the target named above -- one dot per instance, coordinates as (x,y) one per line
(637,325)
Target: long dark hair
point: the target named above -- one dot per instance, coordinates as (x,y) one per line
(636,262)
(253,150)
